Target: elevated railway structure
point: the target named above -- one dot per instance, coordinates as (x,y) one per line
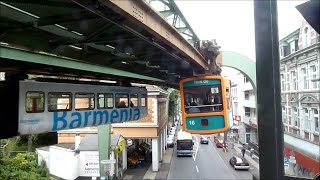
(101,39)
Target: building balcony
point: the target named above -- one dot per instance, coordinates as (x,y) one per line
(249,103)
(251,121)
(247,86)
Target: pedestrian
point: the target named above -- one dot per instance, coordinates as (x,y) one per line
(243,152)
(251,152)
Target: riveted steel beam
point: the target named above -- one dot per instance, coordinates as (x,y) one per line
(144,16)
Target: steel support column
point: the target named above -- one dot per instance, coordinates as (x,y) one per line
(104,138)
(268,90)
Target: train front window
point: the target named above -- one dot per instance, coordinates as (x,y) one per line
(59,101)
(203,99)
(34,102)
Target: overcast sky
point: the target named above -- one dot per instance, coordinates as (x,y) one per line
(231,23)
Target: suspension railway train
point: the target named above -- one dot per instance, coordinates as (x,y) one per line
(206,104)
(52,106)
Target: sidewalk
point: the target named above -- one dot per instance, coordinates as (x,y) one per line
(238,147)
(145,172)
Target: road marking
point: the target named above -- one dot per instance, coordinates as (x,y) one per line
(197,169)
(197,148)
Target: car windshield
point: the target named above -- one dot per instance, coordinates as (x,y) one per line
(204,138)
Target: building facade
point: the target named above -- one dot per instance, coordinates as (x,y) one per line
(300,98)
(244,108)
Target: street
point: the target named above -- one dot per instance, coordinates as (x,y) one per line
(208,162)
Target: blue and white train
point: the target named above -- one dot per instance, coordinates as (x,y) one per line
(52,106)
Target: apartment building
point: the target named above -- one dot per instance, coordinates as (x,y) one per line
(244,108)
(300,98)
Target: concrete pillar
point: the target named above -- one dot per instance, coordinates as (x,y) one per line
(161,146)
(166,134)
(164,140)
(155,154)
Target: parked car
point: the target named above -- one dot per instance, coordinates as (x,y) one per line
(220,143)
(239,163)
(204,140)
(170,141)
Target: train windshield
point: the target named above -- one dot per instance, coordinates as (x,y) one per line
(203,99)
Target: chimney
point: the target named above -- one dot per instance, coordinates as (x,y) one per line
(77,141)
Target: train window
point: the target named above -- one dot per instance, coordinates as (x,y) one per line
(122,100)
(105,101)
(34,102)
(143,100)
(133,100)
(59,101)
(84,101)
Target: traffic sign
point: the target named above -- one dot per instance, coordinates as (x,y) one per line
(129,142)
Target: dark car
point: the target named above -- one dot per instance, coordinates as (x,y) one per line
(239,163)
(204,140)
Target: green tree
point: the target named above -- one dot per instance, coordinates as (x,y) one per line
(8,145)
(22,167)
(173,98)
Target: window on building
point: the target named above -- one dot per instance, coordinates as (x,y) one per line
(281,51)
(289,116)
(235,108)
(282,82)
(292,47)
(304,75)
(314,73)
(315,113)
(294,83)
(288,82)
(247,111)
(307,120)
(296,42)
(284,119)
(246,95)
(245,79)
(305,37)
(295,117)
(286,50)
